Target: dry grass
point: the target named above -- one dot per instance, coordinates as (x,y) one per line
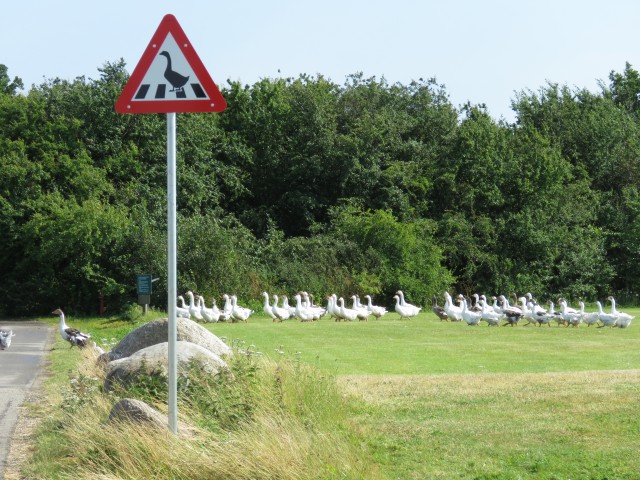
(549,425)
(284,436)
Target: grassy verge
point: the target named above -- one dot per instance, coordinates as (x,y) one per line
(423,399)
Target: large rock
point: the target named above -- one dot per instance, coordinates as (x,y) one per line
(131,410)
(153,361)
(157,331)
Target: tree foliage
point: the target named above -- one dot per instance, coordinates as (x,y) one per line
(305,184)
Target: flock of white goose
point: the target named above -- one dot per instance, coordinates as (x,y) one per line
(528,310)
(279,310)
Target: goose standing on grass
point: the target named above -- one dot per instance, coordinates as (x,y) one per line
(439,311)
(268,309)
(375,310)
(301,312)
(207,313)
(237,312)
(285,304)
(490,316)
(281,313)
(333,308)
(624,319)
(75,337)
(588,318)
(472,318)
(607,319)
(512,314)
(405,311)
(5,338)
(407,306)
(347,313)
(182,310)
(453,311)
(363,312)
(570,317)
(194,310)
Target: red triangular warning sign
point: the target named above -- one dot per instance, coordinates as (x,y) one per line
(170,77)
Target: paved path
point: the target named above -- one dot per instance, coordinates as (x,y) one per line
(20,365)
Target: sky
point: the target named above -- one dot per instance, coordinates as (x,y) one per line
(482,51)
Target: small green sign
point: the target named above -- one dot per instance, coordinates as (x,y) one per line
(143,283)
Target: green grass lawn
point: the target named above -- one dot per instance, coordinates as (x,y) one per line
(424,345)
(431,399)
(445,400)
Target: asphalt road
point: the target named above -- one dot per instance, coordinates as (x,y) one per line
(20,365)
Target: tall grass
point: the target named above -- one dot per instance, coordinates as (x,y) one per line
(262,419)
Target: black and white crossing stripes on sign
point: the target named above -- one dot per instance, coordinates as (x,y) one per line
(145,92)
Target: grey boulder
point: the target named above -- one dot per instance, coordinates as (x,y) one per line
(153,362)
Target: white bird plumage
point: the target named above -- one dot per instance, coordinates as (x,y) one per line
(5,338)
(74,336)
(409,308)
(405,311)
(375,310)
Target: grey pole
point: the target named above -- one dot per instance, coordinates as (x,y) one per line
(172,283)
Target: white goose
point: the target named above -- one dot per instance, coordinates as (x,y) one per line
(363,312)
(472,318)
(624,319)
(316,311)
(347,313)
(375,310)
(408,306)
(569,317)
(512,314)
(182,310)
(453,311)
(194,310)
(607,319)
(301,312)
(217,314)
(285,304)
(5,338)
(239,313)
(73,336)
(207,313)
(227,307)
(490,316)
(333,308)
(281,313)
(405,311)
(588,318)
(268,309)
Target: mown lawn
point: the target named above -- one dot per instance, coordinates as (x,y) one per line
(444,400)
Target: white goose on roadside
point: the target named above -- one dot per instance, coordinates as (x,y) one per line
(75,337)
(5,338)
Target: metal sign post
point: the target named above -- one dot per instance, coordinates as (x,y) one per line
(170,78)
(172,268)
